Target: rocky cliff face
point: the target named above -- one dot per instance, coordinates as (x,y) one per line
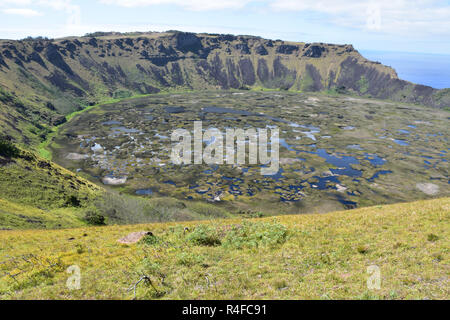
(43,79)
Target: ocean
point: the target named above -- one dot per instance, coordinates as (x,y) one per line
(421,68)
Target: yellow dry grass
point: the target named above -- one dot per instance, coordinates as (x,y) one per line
(325,256)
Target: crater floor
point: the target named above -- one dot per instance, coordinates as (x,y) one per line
(335,151)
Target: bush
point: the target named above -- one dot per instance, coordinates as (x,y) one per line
(73,201)
(362,249)
(251,234)
(80,248)
(7,149)
(94,218)
(204,235)
(150,240)
(248,234)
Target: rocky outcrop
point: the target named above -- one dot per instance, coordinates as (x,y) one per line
(186,42)
(313,51)
(286,49)
(261,50)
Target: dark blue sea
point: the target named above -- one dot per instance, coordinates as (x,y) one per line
(422,68)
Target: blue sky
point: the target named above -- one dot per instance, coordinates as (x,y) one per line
(387,25)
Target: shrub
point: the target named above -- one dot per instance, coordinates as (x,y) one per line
(251,214)
(205,235)
(362,249)
(94,218)
(7,149)
(251,234)
(80,248)
(150,239)
(73,201)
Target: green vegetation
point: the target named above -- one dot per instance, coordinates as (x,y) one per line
(43,148)
(38,194)
(306,83)
(94,218)
(14,216)
(186,193)
(339,152)
(255,235)
(122,94)
(33,181)
(363,85)
(322,256)
(7,149)
(205,235)
(38,88)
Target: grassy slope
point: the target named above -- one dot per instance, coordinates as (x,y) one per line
(36,193)
(31,180)
(18,216)
(324,256)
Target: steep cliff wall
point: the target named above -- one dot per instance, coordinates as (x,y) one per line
(41,80)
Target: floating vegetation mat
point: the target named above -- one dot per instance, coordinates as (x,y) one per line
(335,151)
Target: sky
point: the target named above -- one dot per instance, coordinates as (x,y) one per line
(384,25)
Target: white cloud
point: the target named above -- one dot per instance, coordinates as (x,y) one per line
(383,16)
(73,11)
(22,12)
(15,2)
(388,16)
(196,5)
